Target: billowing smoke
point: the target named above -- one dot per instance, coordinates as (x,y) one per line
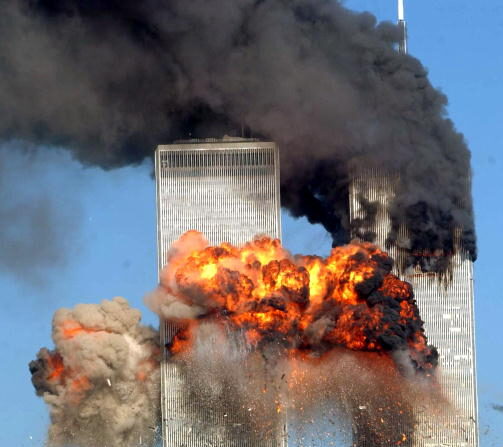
(112,79)
(101,382)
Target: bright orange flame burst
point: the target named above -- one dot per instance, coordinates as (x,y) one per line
(71,329)
(56,367)
(310,303)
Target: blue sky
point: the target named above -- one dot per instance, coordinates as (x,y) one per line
(106,220)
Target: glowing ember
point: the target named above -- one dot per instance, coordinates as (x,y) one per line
(309,305)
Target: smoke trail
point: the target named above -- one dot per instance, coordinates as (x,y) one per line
(111,79)
(101,382)
(35,215)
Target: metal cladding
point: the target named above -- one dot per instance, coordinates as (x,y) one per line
(229,190)
(445,301)
(402,26)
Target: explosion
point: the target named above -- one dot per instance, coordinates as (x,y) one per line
(102,380)
(261,333)
(307,305)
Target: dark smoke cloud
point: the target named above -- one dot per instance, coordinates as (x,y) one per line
(112,79)
(36,215)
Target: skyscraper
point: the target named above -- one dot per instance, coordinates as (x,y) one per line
(445,302)
(229,190)
(446,306)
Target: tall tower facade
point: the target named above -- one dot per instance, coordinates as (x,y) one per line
(229,190)
(447,309)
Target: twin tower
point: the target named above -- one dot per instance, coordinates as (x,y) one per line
(229,190)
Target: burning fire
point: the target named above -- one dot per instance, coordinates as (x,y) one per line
(308,304)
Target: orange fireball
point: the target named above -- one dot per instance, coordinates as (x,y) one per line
(308,304)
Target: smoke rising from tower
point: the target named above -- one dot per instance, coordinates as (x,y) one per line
(109,80)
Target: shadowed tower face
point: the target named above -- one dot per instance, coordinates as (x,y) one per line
(445,300)
(443,288)
(229,190)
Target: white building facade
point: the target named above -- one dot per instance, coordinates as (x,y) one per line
(229,190)
(446,306)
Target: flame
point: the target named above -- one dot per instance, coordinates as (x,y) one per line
(71,329)
(182,340)
(310,304)
(56,366)
(75,383)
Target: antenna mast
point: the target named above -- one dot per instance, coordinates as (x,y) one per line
(402,25)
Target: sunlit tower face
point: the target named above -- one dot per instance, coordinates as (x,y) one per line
(228,190)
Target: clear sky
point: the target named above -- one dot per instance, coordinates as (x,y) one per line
(106,242)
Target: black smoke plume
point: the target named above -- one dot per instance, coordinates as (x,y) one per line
(112,79)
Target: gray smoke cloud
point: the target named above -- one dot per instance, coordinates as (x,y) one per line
(112,79)
(101,382)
